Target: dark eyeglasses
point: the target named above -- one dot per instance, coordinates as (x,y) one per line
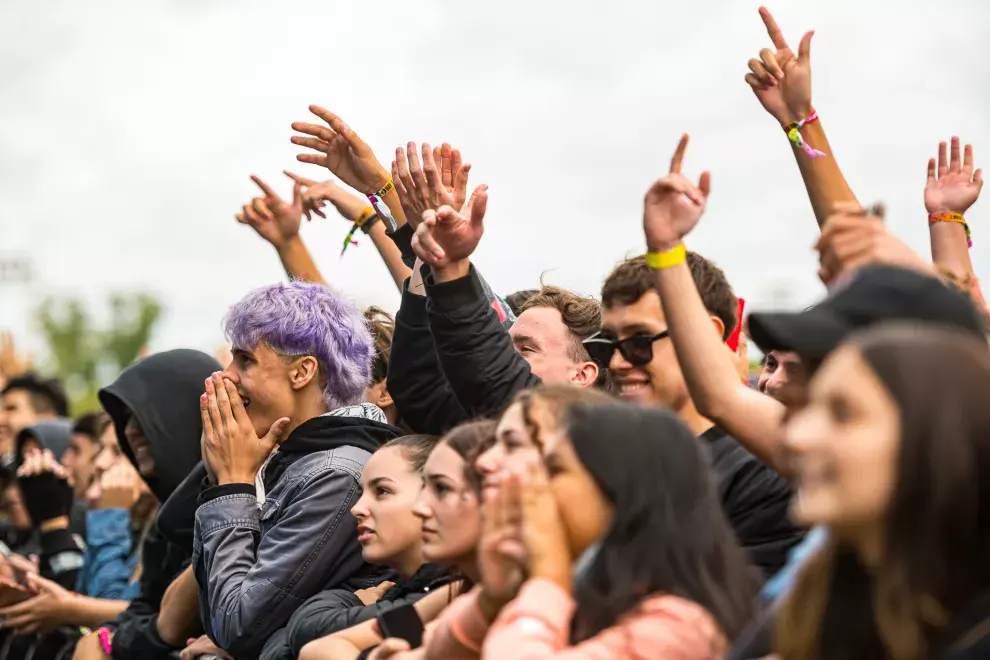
(637,350)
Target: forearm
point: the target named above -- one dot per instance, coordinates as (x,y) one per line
(950,248)
(91,612)
(330,647)
(823,179)
(178,619)
(709,371)
(298,262)
(390,254)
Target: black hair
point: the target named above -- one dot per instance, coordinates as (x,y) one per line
(416,448)
(92,425)
(46,395)
(669,534)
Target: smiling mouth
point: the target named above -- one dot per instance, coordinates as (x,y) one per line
(631,389)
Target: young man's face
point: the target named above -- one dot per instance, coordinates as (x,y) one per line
(263,380)
(79,459)
(17,414)
(540,336)
(659,382)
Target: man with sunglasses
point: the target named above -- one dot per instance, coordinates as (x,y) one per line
(635,346)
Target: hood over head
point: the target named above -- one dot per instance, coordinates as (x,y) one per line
(162,391)
(54,435)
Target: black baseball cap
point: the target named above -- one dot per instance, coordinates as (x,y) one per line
(877,293)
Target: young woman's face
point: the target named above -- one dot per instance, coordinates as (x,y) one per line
(584,509)
(388,531)
(449,509)
(844,445)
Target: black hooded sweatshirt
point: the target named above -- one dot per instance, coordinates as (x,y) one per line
(162,392)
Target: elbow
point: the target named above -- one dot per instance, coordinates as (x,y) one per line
(171,632)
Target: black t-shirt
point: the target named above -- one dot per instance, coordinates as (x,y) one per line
(755,500)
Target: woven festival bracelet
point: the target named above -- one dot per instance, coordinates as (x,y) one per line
(793,130)
(947,216)
(668,258)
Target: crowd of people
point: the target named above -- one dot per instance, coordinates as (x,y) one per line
(533,475)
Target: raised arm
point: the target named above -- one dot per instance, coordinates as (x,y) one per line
(354,209)
(672,208)
(277,221)
(781,82)
(952,188)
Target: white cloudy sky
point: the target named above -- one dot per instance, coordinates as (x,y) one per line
(128,131)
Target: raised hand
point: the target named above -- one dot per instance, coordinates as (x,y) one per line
(781,80)
(543,533)
(232,449)
(441,180)
(673,205)
(341,151)
(953,187)
(274,219)
(315,194)
(447,236)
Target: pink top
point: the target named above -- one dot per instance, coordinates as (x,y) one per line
(536,625)
(459,631)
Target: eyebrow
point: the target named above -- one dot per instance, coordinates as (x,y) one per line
(379,480)
(522,339)
(241,351)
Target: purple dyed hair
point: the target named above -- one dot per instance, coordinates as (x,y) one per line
(300,318)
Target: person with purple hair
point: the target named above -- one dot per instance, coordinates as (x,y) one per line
(273,525)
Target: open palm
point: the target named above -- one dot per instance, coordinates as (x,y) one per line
(342,152)
(446,236)
(953,186)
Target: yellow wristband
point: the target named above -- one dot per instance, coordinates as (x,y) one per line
(386,189)
(672,257)
(363,218)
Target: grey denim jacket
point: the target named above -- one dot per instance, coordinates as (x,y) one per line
(256,565)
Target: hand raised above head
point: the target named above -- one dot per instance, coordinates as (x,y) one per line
(441,179)
(952,186)
(341,151)
(673,205)
(780,79)
(446,236)
(274,219)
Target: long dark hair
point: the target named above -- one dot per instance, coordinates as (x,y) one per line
(669,534)
(937,525)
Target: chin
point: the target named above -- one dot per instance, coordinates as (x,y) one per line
(809,510)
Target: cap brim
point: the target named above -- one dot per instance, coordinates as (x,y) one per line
(814,332)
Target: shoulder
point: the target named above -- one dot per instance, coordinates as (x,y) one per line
(740,471)
(343,461)
(678,626)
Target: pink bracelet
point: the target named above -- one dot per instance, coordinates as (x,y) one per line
(106,640)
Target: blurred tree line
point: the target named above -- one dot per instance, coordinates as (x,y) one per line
(86,357)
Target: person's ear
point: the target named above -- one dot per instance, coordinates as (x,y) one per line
(585,375)
(303,371)
(384,398)
(719,326)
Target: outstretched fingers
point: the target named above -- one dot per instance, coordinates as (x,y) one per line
(773,30)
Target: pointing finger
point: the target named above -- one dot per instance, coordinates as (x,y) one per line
(265,188)
(678,158)
(776,36)
(299,179)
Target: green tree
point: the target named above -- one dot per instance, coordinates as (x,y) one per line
(80,352)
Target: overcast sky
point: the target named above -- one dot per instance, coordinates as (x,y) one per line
(128,131)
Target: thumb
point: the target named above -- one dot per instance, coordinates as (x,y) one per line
(804,48)
(478,204)
(274,435)
(705,184)
(297,195)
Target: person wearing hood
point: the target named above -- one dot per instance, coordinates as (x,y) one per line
(273,526)
(155,412)
(47,491)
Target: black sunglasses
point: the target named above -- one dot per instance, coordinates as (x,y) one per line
(637,350)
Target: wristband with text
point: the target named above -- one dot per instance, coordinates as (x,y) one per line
(381,208)
(952,217)
(667,259)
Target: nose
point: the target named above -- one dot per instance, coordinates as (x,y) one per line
(231,374)
(360,509)
(491,460)
(776,382)
(421,509)
(617,362)
(804,430)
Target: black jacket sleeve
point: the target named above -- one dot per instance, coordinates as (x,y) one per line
(476,353)
(136,628)
(402,237)
(335,610)
(421,393)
